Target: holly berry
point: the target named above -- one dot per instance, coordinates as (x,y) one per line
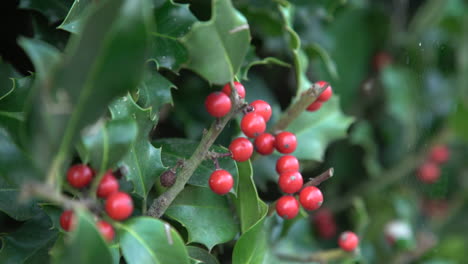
(106,230)
(286,142)
(326,94)
(262,108)
(253,124)
(314,106)
(241,149)
(221,181)
(381,60)
(439,154)
(348,241)
(311,198)
(265,144)
(218,104)
(239,87)
(429,172)
(287,163)
(287,207)
(290,181)
(79,175)
(108,185)
(119,206)
(324,223)
(67,219)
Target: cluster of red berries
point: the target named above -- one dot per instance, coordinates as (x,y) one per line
(118,205)
(323,97)
(429,171)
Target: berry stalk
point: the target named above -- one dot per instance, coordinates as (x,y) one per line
(160,204)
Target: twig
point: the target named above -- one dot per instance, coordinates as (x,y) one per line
(316,181)
(48,193)
(160,204)
(321,257)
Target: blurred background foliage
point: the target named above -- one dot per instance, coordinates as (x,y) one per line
(400,70)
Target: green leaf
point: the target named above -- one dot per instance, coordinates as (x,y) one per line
(253,244)
(458,121)
(149,240)
(84,245)
(103,62)
(154,91)
(107,143)
(201,255)
(76,16)
(43,55)
(362,135)
(247,201)
(177,149)
(15,168)
(173,21)
(315,130)
(54,10)
(217,47)
(251,60)
(206,215)
(30,242)
(143,162)
(330,65)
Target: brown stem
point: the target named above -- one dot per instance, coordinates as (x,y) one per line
(316,181)
(50,194)
(160,204)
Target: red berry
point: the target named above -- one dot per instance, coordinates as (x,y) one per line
(287,207)
(218,104)
(290,181)
(439,154)
(108,185)
(311,198)
(119,206)
(221,181)
(429,172)
(314,106)
(67,220)
(326,94)
(239,87)
(106,230)
(324,223)
(265,144)
(79,175)
(381,60)
(286,142)
(253,125)
(348,241)
(241,149)
(287,163)
(262,108)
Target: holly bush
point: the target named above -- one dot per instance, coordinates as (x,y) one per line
(119,122)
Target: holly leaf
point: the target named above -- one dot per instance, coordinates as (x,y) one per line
(105,144)
(315,130)
(206,216)
(54,10)
(200,255)
(218,59)
(253,244)
(154,91)
(247,202)
(15,168)
(143,162)
(85,244)
(76,16)
(149,240)
(252,59)
(104,61)
(29,243)
(173,21)
(177,149)
(43,56)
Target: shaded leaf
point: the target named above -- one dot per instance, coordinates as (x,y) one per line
(143,162)
(154,91)
(76,16)
(330,65)
(458,121)
(149,240)
(206,215)
(200,255)
(107,143)
(173,21)
(84,245)
(54,10)
(315,130)
(251,60)
(43,56)
(178,148)
(362,135)
(219,59)
(30,242)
